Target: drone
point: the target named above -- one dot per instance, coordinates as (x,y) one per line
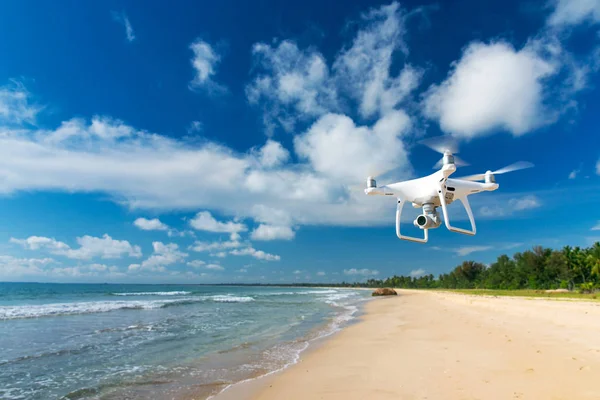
(439,190)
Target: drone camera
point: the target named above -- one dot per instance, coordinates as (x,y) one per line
(429,218)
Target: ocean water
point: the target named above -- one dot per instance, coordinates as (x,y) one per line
(105,341)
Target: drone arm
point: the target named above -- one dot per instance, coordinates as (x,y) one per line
(398,215)
(467,206)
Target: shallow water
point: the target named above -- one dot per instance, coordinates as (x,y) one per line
(102,341)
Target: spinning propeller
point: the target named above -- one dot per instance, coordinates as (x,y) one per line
(445,145)
(509,168)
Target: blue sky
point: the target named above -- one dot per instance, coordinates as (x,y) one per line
(223,142)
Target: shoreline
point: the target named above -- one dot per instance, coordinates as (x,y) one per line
(444,345)
(323,332)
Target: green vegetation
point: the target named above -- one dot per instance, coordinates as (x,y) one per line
(526,293)
(538,269)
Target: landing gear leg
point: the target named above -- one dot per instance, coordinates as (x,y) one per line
(398,215)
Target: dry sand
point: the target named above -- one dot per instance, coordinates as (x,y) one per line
(434,345)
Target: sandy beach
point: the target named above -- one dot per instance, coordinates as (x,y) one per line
(437,345)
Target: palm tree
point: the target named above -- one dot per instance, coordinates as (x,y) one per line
(593,260)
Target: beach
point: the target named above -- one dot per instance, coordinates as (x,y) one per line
(442,345)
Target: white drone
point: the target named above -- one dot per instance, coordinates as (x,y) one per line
(437,189)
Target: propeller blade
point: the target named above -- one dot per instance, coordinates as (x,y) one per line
(513,167)
(509,168)
(459,162)
(476,177)
(441,143)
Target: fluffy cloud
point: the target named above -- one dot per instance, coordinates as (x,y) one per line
(144,170)
(291,78)
(272,232)
(150,224)
(258,254)
(273,154)
(338,149)
(35,268)
(204,221)
(215,267)
(163,256)
(363,70)
(596,227)
(363,272)
(90,247)
(205,62)
(493,86)
(572,12)
(296,85)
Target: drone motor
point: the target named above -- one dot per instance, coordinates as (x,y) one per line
(371,183)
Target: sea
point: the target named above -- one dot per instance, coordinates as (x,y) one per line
(124,341)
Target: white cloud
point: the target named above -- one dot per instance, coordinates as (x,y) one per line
(573,174)
(364,272)
(123,20)
(214,267)
(32,269)
(572,12)
(363,70)
(415,273)
(294,79)
(598,167)
(321,273)
(196,263)
(466,250)
(150,224)
(258,254)
(15,106)
(596,227)
(527,202)
(205,62)
(524,203)
(273,154)
(296,84)
(493,86)
(201,246)
(204,221)
(339,149)
(90,247)
(164,255)
(40,242)
(272,232)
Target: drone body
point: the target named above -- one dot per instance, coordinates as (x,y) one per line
(438,190)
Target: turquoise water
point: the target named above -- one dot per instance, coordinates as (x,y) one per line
(105,341)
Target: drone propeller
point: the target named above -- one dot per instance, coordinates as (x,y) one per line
(441,144)
(459,162)
(509,168)
(444,145)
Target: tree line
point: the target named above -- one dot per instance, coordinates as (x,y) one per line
(572,268)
